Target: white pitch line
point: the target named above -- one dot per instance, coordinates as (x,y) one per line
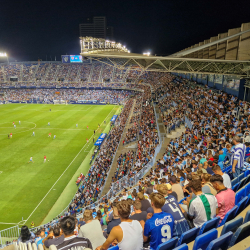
(63,172)
(75,129)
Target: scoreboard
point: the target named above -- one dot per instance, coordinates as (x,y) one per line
(71,59)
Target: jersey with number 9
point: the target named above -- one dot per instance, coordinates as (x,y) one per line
(160,228)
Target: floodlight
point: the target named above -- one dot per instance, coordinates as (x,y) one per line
(3,54)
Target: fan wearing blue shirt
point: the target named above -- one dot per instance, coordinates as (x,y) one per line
(172,207)
(161,225)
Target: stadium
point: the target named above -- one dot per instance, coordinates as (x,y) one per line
(158,145)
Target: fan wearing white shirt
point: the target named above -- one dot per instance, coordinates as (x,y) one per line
(226,179)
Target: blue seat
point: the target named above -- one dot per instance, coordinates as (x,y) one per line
(114,248)
(247,173)
(247,216)
(202,241)
(235,187)
(208,225)
(232,225)
(247,189)
(239,195)
(248,180)
(242,183)
(241,233)
(221,243)
(234,181)
(241,176)
(229,216)
(168,245)
(241,206)
(182,247)
(181,201)
(189,236)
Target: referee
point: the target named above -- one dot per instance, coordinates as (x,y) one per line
(238,156)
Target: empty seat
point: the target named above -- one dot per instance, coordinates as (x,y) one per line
(241,233)
(247,216)
(241,206)
(239,196)
(247,173)
(232,225)
(242,182)
(247,190)
(202,241)
(229,216)
(208,225)
(189,236)
(221,243)
(235,187)
(241,176)
(182,247)
(168,245)
(234,181)
(248,179)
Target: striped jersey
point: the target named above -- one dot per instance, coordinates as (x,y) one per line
(239,154)
(74,242)
(203,208)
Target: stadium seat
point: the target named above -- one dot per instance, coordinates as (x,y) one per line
(221,243)
(234,181)
(241,233)
(202,241)
(181,201)
(232,225)
(241,176)
(229,216)
(114,248)
(247,190)
(239,195)
(247,216)
(248,179)
(242,182)
(235,187)
(241,206)
(247,173)
(168,245)
(182,247)
(189,236)
(208,225)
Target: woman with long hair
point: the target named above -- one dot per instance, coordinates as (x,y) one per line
(26,236)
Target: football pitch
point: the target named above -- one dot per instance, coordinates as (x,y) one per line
(28,190)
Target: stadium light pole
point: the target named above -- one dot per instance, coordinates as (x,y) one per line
(4,55)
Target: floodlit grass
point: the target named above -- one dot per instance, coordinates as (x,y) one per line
(24,184)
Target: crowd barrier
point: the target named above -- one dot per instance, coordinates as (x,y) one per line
(8,235)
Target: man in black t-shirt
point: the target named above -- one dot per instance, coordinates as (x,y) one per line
(144,203)
(138,214)
(115,220)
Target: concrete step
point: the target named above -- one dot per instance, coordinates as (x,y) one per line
(121,150)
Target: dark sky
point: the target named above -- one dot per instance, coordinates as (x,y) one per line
(33,28)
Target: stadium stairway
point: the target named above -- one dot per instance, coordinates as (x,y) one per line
(177,133)
(120,150)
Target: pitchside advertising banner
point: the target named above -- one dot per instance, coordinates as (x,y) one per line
(100,139)
(72,59)
(113,118)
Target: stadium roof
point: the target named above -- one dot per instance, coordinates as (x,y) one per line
(173,64)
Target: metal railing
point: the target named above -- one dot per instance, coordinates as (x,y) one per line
(8,235)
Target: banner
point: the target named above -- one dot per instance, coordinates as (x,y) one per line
(113,118)
(100,139)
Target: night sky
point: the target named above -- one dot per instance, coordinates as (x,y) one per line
(32,29)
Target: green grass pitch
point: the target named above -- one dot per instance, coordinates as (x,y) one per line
(22,184)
